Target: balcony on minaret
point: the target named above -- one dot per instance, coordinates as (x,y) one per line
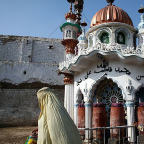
(70,31)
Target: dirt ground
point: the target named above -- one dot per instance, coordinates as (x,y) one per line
(14,135)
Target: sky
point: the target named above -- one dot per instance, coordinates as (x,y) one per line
(42,18)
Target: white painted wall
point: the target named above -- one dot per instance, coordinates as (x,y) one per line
(30,55)
(120,78)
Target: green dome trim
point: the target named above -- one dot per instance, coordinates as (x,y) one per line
(68,23)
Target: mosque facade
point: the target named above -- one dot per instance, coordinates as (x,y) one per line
(103,66)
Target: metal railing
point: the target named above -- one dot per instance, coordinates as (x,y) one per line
(120,140)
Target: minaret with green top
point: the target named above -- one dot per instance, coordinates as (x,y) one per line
(70,30)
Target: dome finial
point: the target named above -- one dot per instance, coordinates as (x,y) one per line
(110,2)
(83,24)
(141,10)
(71,1)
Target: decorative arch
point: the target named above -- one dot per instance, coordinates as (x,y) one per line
(124,30)
(121,38)
(122,35)
(97,82)
(107,91)
(103,31)
(105,38)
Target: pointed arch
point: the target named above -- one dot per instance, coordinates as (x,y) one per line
(97,82)
(104,32)
(124,30)
(107,91)
(123,36)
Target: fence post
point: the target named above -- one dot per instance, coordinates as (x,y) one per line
(104,135)
(119,135)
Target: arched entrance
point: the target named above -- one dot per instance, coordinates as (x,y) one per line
(108,92)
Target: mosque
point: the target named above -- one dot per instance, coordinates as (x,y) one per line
(104,69)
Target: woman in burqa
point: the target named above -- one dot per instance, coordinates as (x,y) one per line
(54,124)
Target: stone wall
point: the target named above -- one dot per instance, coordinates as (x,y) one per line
(26,65)
(19,107)
(28,59)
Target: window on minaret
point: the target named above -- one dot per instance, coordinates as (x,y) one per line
(104,38)
(90,41)
(68,33)
(120,38)
(74,34)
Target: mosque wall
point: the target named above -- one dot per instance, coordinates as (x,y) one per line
(26,65)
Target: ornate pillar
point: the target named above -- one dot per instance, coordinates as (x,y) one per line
(76,113)
(77,102)
(88,120)
(88,114)
(130,120)
(69,94)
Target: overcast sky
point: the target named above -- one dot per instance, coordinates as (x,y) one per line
(40,18)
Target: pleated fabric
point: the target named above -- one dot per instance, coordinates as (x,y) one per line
(55,126)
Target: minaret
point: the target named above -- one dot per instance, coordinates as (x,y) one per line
(70,30)
(83,42)
(140,27)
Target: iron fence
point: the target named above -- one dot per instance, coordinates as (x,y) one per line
(111,140)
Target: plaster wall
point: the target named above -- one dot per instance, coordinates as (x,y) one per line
(25,72)
(27,59)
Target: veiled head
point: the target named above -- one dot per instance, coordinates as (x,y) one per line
(42,92)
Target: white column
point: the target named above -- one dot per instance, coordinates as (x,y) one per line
(113,36)
(130,120)
(69,99)
(88,120)
(72,101)
(76,113)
